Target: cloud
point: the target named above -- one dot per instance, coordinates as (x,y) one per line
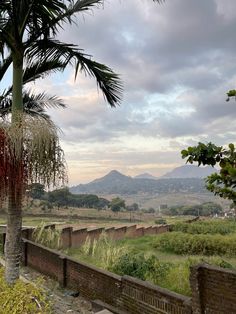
(177,63)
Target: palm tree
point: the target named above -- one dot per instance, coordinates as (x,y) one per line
(28,42)
(34,105)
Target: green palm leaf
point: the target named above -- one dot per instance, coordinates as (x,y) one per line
(54,50)
(34,104)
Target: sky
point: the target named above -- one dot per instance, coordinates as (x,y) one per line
(176,60)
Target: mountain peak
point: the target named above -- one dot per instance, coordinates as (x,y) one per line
(190,171)
(145,175)
(115,172)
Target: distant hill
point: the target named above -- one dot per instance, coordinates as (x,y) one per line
(190,171)
(145,176)
(117,183)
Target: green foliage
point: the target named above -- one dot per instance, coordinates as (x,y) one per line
(204,209)
(224,182)
(176,278)
(63,197)
(136,265)
(231,93)
(47,236)
(222,227)
(45,205)
(197,244)
(22,298)
(160,221)
(36,190)
(136,257)
(171,275)
(117,204)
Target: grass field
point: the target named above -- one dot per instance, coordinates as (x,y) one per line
(158,258)
(89,217)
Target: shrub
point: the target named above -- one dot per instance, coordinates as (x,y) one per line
(136,265)
(197,244)
(160,221)
(172,276)
(22,298)
(176,278)
(207,227)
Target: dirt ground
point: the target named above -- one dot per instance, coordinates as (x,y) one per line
(62,300)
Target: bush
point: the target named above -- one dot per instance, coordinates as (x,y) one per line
(207,227)
(197,244)
(172,276)
(160,221)
(176,278)
(140,266)
(22,298)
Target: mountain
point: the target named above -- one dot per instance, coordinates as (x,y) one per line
(112,181)
(190,171)
(145,176)
(117,183)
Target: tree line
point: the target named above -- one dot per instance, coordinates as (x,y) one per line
(204,209)
(64,198)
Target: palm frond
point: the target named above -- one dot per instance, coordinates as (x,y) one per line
(41,69)
(35,105)
(4,65)
(108,81)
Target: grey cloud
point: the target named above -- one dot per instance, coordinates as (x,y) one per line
(183,43)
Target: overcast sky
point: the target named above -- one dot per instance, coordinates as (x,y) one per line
(176,60)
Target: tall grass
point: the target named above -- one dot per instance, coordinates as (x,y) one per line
(104,249)
(47,236)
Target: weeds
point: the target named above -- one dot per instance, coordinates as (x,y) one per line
(104,249)
(22,298)
(48,237)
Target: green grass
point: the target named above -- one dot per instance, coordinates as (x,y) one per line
(210,226)
(142,259)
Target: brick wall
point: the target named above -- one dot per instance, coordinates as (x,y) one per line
(149,230)
(213,290)
(110,232)
(78,237)
(130,231)
(66,237)
(126,293)
(44,260)
(75,238)
(94,234)
(93,283)
(139,232)
(162,229)
(142,297)
(119,233)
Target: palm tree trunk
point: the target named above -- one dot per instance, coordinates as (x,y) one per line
(13,235)
(14,215)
